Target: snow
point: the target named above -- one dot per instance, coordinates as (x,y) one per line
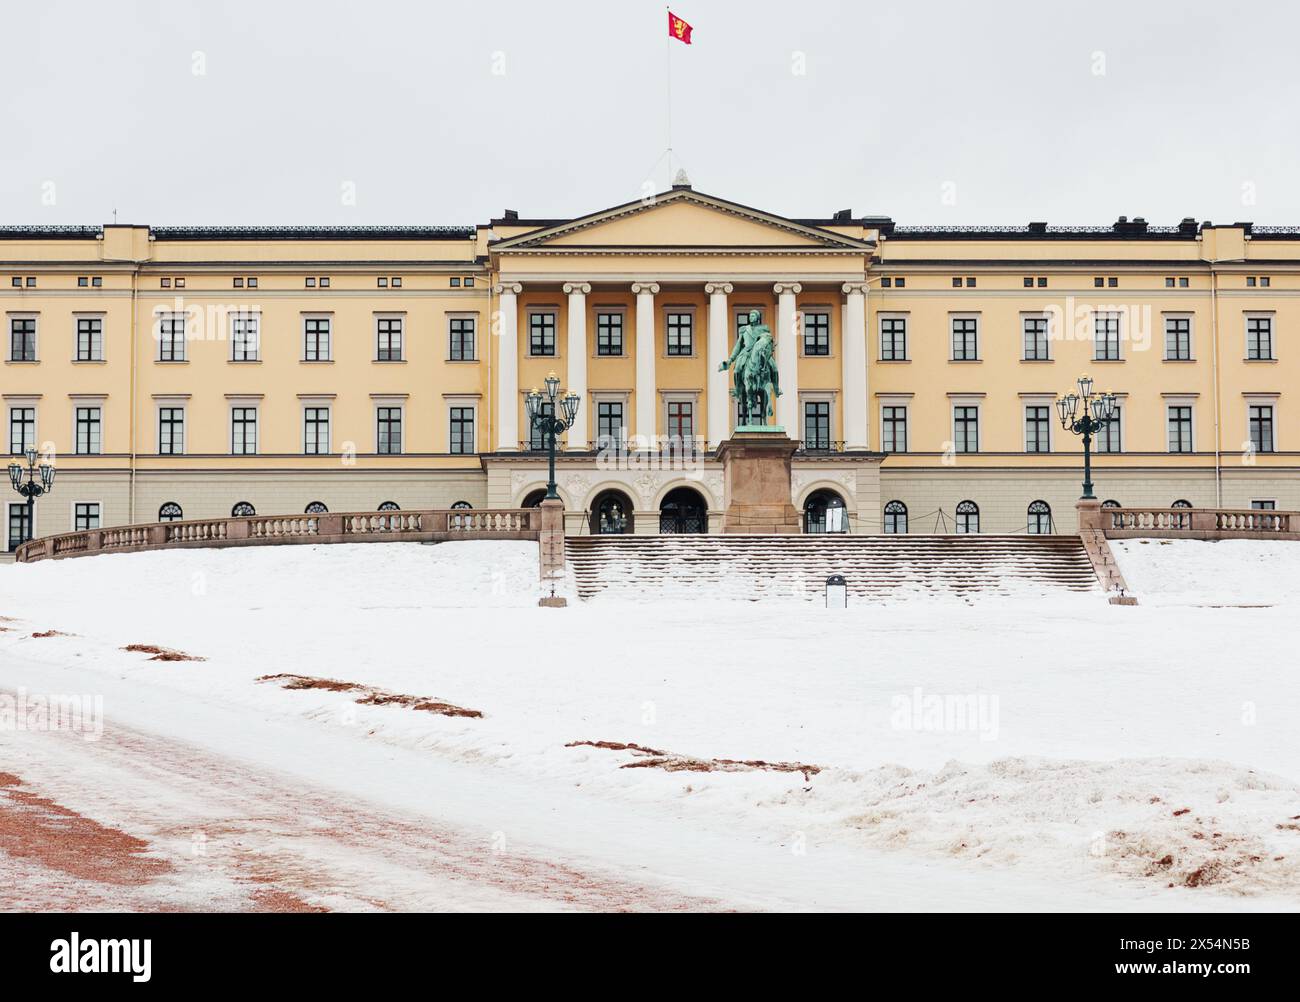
(1034,752)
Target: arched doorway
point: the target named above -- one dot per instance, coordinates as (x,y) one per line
(895,520)
(683,510)
(825,511)
(534,499)
(1040,518)
(968,517)
(611,514)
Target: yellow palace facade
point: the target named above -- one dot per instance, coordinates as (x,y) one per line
(176,372)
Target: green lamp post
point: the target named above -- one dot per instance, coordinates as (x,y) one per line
(551,420)
(31,488)
(1098,410)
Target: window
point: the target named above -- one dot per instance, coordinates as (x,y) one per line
(681,420)
(612,515)
(462,430)
(324,282)
(90,339)
(1181,282)
(388,331)
(893,424)
(1037,429)
(315,508)
(966,429)
(609,423)
(1105,337)
(89,431)
(171,337)
(965,343)
(1263,505)
(968,517)
(22,339)
(455,283)
(1108,436)
(536,440)
(239,283)
(397,281)
(316,431)
(893,339)
(825,512)
(1259,338)
(170,512)
(244,345)
(242,509)
(461,330)
(1111,503)
(1040,519)
(970,282)
(389,506)
(316,339)
(1178,339)
(1180,428)
(22,430)
(20,528)
(171,431)
(896,518)
(85,515)
(541,334)
(1261,427)
(461,506)
(381,283)
(680,330)
(310,283)
(388,438)
(816,333)
(243,431)
(1035,280)
(1034,329)
(817,424)
(609,334)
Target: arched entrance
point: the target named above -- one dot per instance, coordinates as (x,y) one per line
(534,499)
(611,514)
(683,510)
(825,511)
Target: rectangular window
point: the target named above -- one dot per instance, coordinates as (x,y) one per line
(243,431)
(22,430)
(1037,429)
(1178,339)
(389,437)
(388,331)
(609,334)
(541,334)
(1035,335)
(316,339)
(171,431)
(22,339)
(462,333)
(244,341)
(85,515)
(1259,338)
(1180,429)
(679,329)
(609,423)
(681,420)
(89,431)
(893,429)
(90,339)
(816,333)
(316,431)
(171,337)
(1261,428)
(817,424)
(1105,337)
(536,440)
(966,429)
(462,430)
(20,529)
(965,342)
(893,339)
(1108,437)
(1263,505)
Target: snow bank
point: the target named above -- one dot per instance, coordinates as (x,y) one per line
(1231,572)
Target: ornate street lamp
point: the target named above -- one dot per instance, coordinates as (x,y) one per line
(559,417)
(31,488)
(1098,410)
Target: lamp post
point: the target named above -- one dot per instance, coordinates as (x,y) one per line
(31,488)
(550,422)
(1098,411)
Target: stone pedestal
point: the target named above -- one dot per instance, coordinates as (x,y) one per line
(756,473)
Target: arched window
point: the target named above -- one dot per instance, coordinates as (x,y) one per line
(683,511)
(243,510)
(315,508)
(611,514)
(533,499)
(1111,503)
(968,517)
(896,517)
(170,512)
(461,506)
(824,511)
(1040,519)
(390,506)
(1181,503)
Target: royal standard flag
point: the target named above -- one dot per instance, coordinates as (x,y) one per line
(678,28)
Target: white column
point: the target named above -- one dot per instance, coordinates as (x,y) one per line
(854,353)
(647,393)
(577,349)
(719,383)
(787,358)
(508,366)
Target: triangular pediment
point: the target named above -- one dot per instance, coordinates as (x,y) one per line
(681,219)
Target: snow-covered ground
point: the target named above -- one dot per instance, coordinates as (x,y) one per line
(1040,752)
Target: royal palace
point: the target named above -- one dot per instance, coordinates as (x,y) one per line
(200,372)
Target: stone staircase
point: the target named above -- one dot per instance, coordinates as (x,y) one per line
(792,568)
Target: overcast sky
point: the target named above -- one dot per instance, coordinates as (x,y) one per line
(955,112)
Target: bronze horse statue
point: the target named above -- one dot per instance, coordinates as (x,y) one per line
(754,370)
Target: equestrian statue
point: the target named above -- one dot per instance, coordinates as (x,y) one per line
(753,368)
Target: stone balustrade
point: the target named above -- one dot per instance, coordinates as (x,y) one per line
(1189,523)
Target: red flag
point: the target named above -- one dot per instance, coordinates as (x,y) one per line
(679,29)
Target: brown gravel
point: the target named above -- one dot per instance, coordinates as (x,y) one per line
(368,695)
(161,653)
(655,758)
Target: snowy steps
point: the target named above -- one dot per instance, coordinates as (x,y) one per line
(881,568)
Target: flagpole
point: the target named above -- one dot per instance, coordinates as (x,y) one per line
(668,58)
